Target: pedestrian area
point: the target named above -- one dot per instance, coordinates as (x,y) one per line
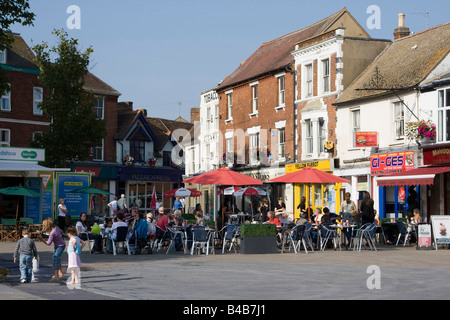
(403,273)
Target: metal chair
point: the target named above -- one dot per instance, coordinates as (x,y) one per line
(366,232)
(403,232)
(230,237)
(161,236)
(121,237)
(328,233)
(173,236)
(200,239)
(295,237)
(307,235)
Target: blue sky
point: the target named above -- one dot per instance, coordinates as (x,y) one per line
(161,54)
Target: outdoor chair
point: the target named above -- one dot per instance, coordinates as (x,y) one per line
(403,232)
(328,233)
(295,238)
(121,237)
(9,230)
(366,232)
(90,245)
(161,236)
(173,234)
(200,239)
(35,230)
(307,235)
(230,237)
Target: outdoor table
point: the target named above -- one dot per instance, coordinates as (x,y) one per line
(346,230)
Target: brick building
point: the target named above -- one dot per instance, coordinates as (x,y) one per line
(262,103)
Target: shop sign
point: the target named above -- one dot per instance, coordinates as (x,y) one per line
(94,172)
(22,154)
(366,139)
(401,193)
(389,163)
(323,165)
(436,156)
(441,229)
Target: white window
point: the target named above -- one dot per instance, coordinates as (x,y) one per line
(5,137)
(356,126)
(326,75)
(309,136)
(6,101)
(229,145)
(230,105)
(99,107)
(399,120)
(444,115)
(3,56)
(281,143)
(217,116)
(309,80)
(322,135)
(254,147)
(37,99)
(98,152)
(281,97)
(255,98)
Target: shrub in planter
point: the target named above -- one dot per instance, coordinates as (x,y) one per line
(259,238)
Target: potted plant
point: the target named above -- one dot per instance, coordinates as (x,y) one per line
(421,131)
(258,238)
(152,162)
(128,160)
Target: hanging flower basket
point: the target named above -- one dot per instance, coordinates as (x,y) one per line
(128,160)
(152,162)
(421,130)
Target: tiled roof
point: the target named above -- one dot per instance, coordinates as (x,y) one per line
(20,55)
(404,64)
(276,54)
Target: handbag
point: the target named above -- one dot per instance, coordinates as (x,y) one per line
(36,264)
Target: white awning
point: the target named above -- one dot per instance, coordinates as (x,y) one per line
(26,166)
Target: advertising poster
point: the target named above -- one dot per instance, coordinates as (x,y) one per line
(75,202)
(441,229)
(366,139)
(33,204)
(424,236)
(47,193)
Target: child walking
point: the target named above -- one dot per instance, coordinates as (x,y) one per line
(27,249)
(55,237)
(74,250)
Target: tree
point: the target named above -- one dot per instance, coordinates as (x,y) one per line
(74,127)
(11,12)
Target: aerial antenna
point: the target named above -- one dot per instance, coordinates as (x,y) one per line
(179,108)
(425,14)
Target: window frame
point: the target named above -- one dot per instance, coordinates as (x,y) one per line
(99,149)
(443,128)
(6,142)
(6,95)
(254,87)
(281,90)
(36,101)
(229,105)
(309,137)
(97,108)
(325,75)
(309,80)
(137,150)
(399,120)
(3,57)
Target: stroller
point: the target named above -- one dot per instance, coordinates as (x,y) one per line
(139,242)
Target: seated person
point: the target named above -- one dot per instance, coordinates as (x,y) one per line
(199,218)
(273,219)
(302,219)
(177,218)
(83,231)
(113,233)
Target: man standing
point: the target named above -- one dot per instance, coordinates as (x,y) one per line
(62,210)
(122,203)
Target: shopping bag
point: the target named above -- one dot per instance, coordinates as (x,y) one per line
(36,264)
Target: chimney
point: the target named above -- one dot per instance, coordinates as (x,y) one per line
(401,31)
(195,114)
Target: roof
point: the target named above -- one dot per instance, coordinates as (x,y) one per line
(20,55)
(276,54)
(403,64)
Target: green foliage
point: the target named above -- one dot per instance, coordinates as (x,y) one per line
(258,230)
(74,127)
(12,12)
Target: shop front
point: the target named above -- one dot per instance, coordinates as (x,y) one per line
(318,195)
(431,181)
(137,185)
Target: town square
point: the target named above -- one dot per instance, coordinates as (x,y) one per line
(239,154)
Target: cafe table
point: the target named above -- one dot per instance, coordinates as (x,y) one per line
(346,231)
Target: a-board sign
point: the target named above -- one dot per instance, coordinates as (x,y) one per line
(424,236)
(441,229)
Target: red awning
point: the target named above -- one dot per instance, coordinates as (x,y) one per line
(418,176)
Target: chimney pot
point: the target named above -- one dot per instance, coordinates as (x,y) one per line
(401,31)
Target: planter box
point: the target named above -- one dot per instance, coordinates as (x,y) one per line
(259,245)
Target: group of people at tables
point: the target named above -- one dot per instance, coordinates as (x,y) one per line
(142,226)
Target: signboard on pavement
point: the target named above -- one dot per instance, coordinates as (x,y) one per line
(424,236)
(441,229)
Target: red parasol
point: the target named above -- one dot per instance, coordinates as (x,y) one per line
(227,191)
(250,191)
(309,175)
(182,192)
(225,177)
